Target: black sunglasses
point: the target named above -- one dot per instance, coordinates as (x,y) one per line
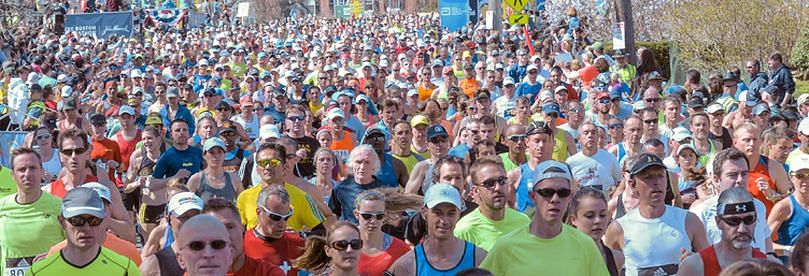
(369,216)
(200,245)
(80,221)
(616,126)
(493,182)
(735,221)
(341,245)
(517,138)
(299,118)
(650,121)
(548,192)
(71,152)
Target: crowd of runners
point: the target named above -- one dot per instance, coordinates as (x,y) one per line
(385,145)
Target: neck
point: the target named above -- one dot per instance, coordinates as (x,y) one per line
(215,171)
(75,177)
(545,229)
(491,214)
(443,247)
(79,257)
(295,134)
(651,211)
(238,263)
(373,240)
(730,254)
(362,180)
(340,272)
(517,157)
(753,159)
(183,146)
(28,197)
(401,151)
(589,151)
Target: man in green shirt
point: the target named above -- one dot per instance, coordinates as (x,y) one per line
(515,140)
(492,218)
(547,246)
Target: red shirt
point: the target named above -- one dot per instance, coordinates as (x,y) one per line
(127,147)
(258,268)
(280,252)
(376,265)
(58,186)
(106,149)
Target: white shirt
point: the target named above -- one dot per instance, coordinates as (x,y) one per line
(706,211)
(600,169)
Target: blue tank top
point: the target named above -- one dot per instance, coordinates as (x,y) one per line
(387,174)
(526,180)
(791,229)
(621,152)
(423,266)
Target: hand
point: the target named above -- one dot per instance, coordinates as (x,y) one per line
(684,254)
(141,181)
(183,173)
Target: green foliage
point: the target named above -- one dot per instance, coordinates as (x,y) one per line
(801,87)
(659,48)
(800,53)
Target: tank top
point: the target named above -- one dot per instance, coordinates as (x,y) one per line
(146,165)
(425,92)
(233,164)
(560,147)
(409,161)
(622,153)
(206,191)
(343,147)
(791,229)
(127,147)
(167,262)
(704,158)
(710,261)
(250,127)
(620,209)
(387,174)
(423,266)
(526,181)
(761,170)
(53,166)
(428,179)
(653,245)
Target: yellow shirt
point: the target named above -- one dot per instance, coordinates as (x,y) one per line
(305,215)
(106,263)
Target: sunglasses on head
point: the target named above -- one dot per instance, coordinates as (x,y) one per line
(200,245)
(493,182)
(369,216)
(548,192)
(71,152)
(341,245)
(276,216)
(80,221)
(735,221)
(273,163)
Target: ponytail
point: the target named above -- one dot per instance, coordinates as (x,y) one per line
(314,256)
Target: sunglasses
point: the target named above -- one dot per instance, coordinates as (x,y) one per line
(553,115)
(43,137)
(71,152)
(369,216)
(299,118)
(653,100)
(200,245)
(616,126)
(548,192)
(575,110)
(273,163)
(377,139)
(800,175)
(493,182)
(735,221)
(342,245)
(604,101)
(80,221)
(276,216)
(650,121)
(517,138)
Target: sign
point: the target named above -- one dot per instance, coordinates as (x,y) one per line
(489,20)
(243,10)
(518,19)
(618,38)
(100,25)
(517,5)
(454,14)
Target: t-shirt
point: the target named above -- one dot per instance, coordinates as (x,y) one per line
(280,252)
(106,149)
(7,184)
(106,262)
(114,243)
(569,253)
(376,265)
(173,160)
(601,169)
(258,268)
(27,230)
(304,217)
(306,167)
(528,90)
(344,194)
(484,232)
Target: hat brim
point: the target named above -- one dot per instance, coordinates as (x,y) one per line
(78,211)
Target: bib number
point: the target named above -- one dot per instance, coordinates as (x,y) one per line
(18,266)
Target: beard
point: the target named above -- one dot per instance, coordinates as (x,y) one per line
(742,242)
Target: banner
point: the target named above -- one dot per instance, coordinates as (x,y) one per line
(454,14)
(618,39)
(172,17)
(10,140)
(101,25)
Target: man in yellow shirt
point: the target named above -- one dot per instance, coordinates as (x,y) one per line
(269,160)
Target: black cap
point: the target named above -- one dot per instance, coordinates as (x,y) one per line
(226,127)
(482,95)
(730,76)
(436,131)
(538,127)
(696,102)
(644,161)
(223,104)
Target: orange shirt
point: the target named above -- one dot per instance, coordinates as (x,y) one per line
(107,149)
(114,243)
(425,91)
(469,87)
(376,265)
(343,146)
(761,170)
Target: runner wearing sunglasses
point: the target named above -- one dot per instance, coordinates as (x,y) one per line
(181,208)
(659,233)
(204,246)
(379,249)
(547,244)
(336,254)
(736,217)
(82,218)
(790,216)
(270,240)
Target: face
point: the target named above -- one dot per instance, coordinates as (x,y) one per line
(403,135)
(651,185)
(452,174)
(591,217)
(272,218)
(205,252)
(215,156)
(99,129)
(589,136)
(438,146)
(344,258)
(739,235)
(43,138)
(74,154)
(371,215)
(390,115)
(234,227)
(748,142)
(377,141)
(85,236)
(780,150)
(27,172)
(441,220)
(491,188)
(363,165)
(274,169)
(295,121)
(801,180)
(687,159)
(652,99)
(179,133)
(345,104)
(552,205)
(633,130)
(540,145)
(716,118)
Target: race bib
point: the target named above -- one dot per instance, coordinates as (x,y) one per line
(663,270)
(18,266)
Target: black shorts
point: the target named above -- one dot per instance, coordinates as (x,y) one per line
(151,213)
(131,200)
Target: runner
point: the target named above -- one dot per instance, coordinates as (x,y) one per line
(539,139)
(337,253)
(151,204)
(588,213)
(195,237)
(421,177)
(270,240)
(379,249)
(162,259)
(214,181)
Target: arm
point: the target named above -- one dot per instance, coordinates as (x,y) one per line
(236,183)
(416,178)
(780,213)
(571,143)
(696,231)
(153,242)
(513,178)
(691,266)
(405,265)
(779,176)
(614,238)
(131,179)
(678,199)
(401,172)
(307,187)
(194,182)
(149,267)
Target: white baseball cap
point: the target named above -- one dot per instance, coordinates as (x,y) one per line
(184,202)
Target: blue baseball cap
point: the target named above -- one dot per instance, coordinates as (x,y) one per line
(551,169)
(436,131)
(442,193)
(551,107)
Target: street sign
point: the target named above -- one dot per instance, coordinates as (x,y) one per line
(518,19)
(517,5)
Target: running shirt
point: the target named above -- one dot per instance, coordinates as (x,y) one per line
(409,161)
(795,225)
(710,261)
(305,216)
(524,201)
(114,243)
(127,147)
(106,262)
(560,152)
(376,265)
(250,127)
(58,188)
(522,253)
(280,252)
(507,163)
(206,191)
(305,168)
(7,184)
(653,245)
(484,232)
(106,149)
(27,230)
(600,171)
(173,160)
(386,173)
(344,194)
(257,268)
(343,147)
(761,170)
(423,266)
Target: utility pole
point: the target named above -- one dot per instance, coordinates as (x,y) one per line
(624,14)
(497,12)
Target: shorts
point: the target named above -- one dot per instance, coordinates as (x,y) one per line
(151,213)
(131,200)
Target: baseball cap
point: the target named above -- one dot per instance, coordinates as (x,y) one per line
(654,75)
(602,95)
(598,46)
(100,189)
(680,133)
(153,120)
(803,99)
(545,95)
(559,89)
(419,120)
(213,142)
(67,91)
(125,109)
(184,202)
(436,131)
(761,108)
(538,127)
(729,76)
(639,105)
(645,161)
(551,169)
(508,81)
(223,105)
(531,67)
(226,127)
(747,99)
(696,102)
(446,70)
(799,162)
(82,201)
(437,62)
(334,113)
(803,127)
(687,146)
(442,193)
(269,131)
(482,95)
(551,107)
(714,107)
(172,92)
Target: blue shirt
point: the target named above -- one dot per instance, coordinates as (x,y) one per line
(344,194)
(174,160)
(528,90)
(182,113)
(460,151)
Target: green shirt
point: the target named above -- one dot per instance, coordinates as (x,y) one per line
(27,230)
(569,253)
(483,232)
(106,262)
(7,184)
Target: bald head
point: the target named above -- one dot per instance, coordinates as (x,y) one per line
(202,222)
(204,246)
(515,129)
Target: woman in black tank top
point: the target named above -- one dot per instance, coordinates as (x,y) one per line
(588,213)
